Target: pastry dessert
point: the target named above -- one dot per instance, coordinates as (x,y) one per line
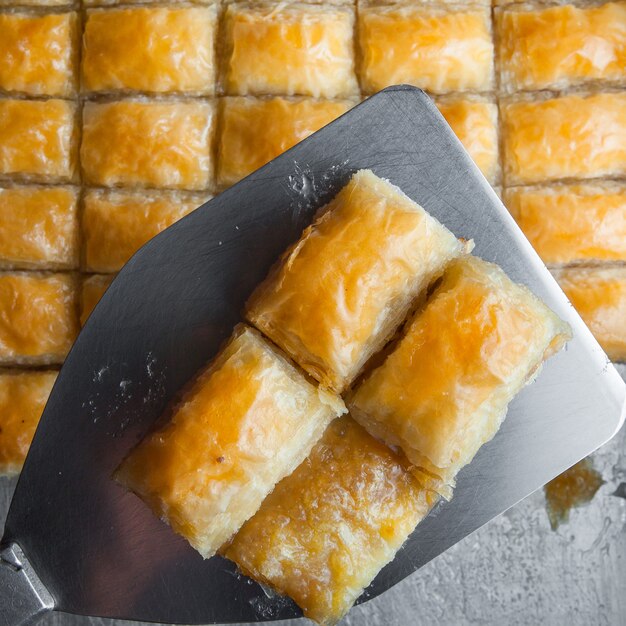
(38,53)
(150,49)
(37,318)
(248,420)
(474,121)
(599,296)
(559,47)
(327,529)
(38,140)
(255,130)
(148,144)
(444,389)
(342,290)
(38,227)
(23,396)
(548,138)
(115,224)
(289,49)
(578,223)
(93,289)
(439,49)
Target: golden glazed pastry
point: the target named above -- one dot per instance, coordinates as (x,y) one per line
(289,49)
(116,224)
(327,529)
(23,396)
(572,223)
(599,296)
(37,317)
(436,48)
(150,49)
(35,3)
(341,291)
(248,420)
(568,137)
(38,228)
(444,390)
(38,140)
(254,131)
(148,144)
(38,53)
(93,289)
(475,122)
(561,46)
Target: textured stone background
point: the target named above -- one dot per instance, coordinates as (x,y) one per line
(514,571)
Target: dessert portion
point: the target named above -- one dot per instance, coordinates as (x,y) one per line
(444,389)
(474,120)
(438,48)
(289,48)
(137,143)
(115,224)
(599,295)
(38,321)
(92,289)
(39,53)
(573,136)
(343,288)
(246,421)
(23,396)
(150,49)
(38,227)
(327,529)
(559,47)
(571,224)
(38,140)
(253,131)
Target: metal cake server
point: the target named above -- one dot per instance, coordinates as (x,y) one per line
(75,541)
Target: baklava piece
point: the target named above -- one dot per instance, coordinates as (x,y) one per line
(289,49)
(573,136)
(572,223)
(439,49)
(38,53)
(325,532)
(148,144)
(93,289)
(475,122)
(38,228)
(23,396)
(599,296)
(254,130)
(150,49)
(560,47)
(341,291)
(116,224)
(38,318)
(444,390)
(38,140)
(247,421)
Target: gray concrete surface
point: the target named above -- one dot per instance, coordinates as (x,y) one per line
(515,571)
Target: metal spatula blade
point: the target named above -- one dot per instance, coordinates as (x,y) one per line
(97,550)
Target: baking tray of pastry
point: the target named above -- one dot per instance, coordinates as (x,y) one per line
(176,301)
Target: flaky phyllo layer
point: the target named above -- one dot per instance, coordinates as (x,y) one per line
(444,390)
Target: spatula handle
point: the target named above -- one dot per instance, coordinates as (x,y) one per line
(23,598)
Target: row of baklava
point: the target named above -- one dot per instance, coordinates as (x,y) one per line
(157,144)
(332,302)
(579,227)
(308,49)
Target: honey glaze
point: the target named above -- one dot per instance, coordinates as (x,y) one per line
(574,487)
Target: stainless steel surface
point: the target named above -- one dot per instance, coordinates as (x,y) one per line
(98,549)
(24,600)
